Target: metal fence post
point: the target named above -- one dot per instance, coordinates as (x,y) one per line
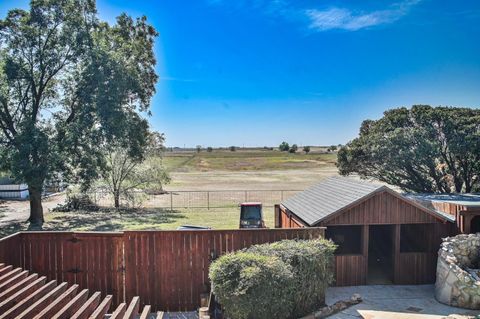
(208,200)
(171,201)
(281,195)
(246,196)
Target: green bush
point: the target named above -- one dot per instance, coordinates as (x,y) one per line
(250,286)
(311,263)
(299,288)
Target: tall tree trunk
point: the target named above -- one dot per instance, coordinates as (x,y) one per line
(116,196)
(36,209)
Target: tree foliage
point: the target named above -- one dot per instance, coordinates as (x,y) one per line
(306,149)
(422,149)
(284,147)
(126,174)
(70,85)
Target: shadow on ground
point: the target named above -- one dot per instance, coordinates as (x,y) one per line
(101,220)
(111,219)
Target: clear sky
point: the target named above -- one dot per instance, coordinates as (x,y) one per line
(257,72)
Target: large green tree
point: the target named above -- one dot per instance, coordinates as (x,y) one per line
(70,85)
(421,149)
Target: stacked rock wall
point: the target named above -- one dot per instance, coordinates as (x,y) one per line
(456,286)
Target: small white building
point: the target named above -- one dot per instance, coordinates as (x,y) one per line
(14,191)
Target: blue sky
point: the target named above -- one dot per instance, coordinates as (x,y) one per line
(257,72)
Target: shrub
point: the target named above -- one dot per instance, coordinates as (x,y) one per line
(299,287)
(306,149)
(293,149)
(250,286)
(232,148)
(311,263)
(209,149)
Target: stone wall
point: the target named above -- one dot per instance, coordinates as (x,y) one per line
(457,285)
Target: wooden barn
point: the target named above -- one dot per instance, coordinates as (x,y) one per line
(382,236)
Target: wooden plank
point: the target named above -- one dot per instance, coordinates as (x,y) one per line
(146,312)
(5,270)
(119,312)
(132,310)
(88,308)
(102,309)
(40,304)
(21,294)
(72,306)
(32,298)
(18,286)
(10,274)
(59,302)
(13,281)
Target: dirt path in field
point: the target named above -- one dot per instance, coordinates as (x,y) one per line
(295,179)
(17,212)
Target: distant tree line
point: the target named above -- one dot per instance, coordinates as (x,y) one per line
(285,147)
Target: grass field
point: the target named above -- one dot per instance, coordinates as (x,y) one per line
(245,160)
(248,169)
(252,169)
(153,219)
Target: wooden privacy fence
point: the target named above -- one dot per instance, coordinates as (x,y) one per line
(166,269)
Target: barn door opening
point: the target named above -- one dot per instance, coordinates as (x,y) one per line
(475,225)
(380,255)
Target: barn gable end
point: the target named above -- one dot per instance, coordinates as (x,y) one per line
(382,207)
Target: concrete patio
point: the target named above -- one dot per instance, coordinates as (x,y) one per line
(394,302)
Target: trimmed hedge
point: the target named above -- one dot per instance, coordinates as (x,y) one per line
(285,279)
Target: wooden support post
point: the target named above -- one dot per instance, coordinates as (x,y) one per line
(396,252)
(365,239)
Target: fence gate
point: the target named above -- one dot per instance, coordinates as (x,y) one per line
(91,260)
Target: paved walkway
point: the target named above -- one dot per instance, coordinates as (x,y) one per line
(394,302)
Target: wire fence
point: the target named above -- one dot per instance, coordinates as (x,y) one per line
(210,199)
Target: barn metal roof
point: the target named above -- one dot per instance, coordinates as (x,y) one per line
(470,200)
(327,197)
(333,194)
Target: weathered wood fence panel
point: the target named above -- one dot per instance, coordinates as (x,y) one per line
(11,250)
(167,269)
(91,260)
(170,269)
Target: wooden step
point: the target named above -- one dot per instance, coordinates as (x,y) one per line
(13,280)
(58,304)
(17,287)
(146,312)
(22,294)
(72,306)
(132,310)
(102,309)
(88,307)
(119,312)
(43,302)
(10,274)
(32,298)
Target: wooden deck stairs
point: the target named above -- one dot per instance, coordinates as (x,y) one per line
(29,296)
